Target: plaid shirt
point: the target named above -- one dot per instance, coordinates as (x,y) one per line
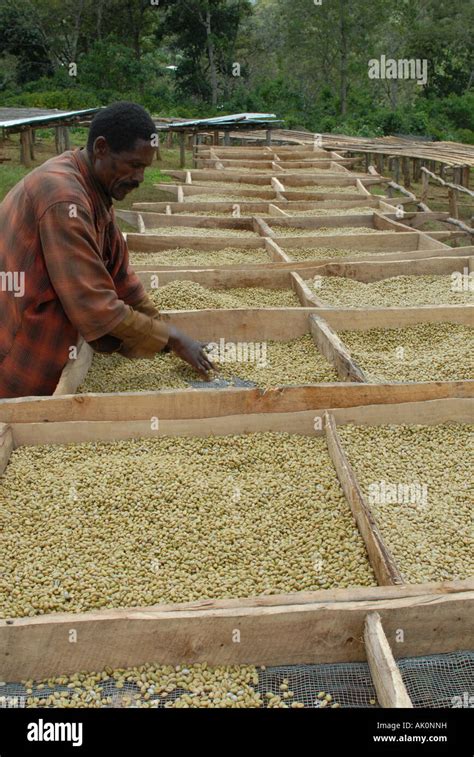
(58,234)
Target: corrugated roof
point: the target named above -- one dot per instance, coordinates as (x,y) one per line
(29,116)
(237,119)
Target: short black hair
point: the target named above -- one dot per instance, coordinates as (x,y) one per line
(121,124)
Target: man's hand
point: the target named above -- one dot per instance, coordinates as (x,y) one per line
(191,352)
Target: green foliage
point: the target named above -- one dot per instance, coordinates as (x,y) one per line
(306,63)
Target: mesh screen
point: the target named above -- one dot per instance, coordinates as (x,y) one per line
(445,681)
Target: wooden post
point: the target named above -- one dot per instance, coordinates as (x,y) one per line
(406,172)
(466,176)
(57,140)
(424,186)
(31,145)
(182,149)
(268,137)
(442,171)
(397,170)
(227,137)
(367,162)
(169,140)
(379,162)
(158,147)
(453,203)
(25,154)
(66,138)
(216,138)
(195,150)
(416,169)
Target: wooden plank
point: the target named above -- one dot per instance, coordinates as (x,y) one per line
(323,631)
(410,255)
(277,185)
(301,422)
(157,242)
(274,210)
(203,403)
(395,317)
(338,221)
(160,221)
(304,293)
(388,682)
(368,271)
(276,278)
(275,251)
(398,241)
(414,220)
(381,559)
(284,324)
(262,228)
(250,208)
(448,235)
(75,371)
(384,223)
(334,350)
(6,445)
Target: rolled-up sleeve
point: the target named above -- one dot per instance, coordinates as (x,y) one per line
(83,284)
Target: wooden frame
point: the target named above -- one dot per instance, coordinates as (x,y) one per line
(284,324)
(301,627)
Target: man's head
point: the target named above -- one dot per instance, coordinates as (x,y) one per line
(121,144)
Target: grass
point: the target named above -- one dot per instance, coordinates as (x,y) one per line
(12,171)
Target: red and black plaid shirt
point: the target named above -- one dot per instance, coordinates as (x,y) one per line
(58,231)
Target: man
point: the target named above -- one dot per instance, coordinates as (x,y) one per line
(60,244)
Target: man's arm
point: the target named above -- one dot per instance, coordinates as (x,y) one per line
(77,272)
(88,294)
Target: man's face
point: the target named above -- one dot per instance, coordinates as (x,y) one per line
(120,172)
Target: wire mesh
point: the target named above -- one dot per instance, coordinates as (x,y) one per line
(434,681)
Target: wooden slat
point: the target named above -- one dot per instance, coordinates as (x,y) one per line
(388,682)
(302,422)
(310,264)
(381,559)
(262,227)
(274,210)
(76,370)
(396,242)
(305,295)
(334,350)
(322,631)
(6,445)
(275,251)
(446,400)
(276,278)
